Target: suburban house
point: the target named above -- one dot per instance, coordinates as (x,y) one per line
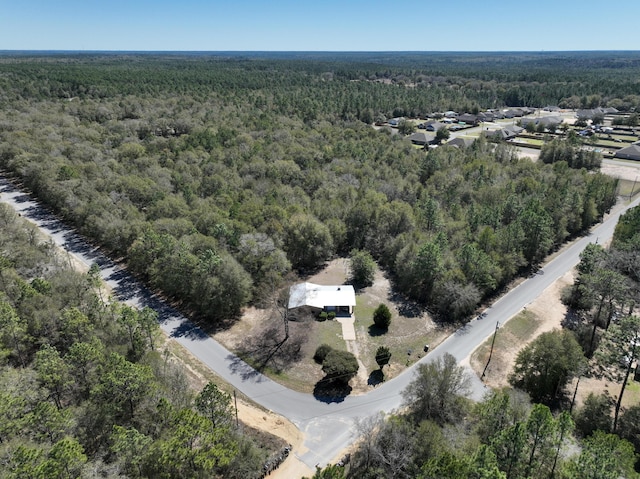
(421,138)
(631,152)
(460,142)
(549,122)
(514,113)
(486,116)
(468,118)
(589,114)
(316,298)
(502,134)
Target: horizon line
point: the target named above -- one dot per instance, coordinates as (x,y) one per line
(2,51)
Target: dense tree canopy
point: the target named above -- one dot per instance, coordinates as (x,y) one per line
(85,390)
(216,176)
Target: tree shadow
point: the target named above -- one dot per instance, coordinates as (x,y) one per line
(270,348)
(331,391)
(572,319)
(238,366)
(406,307)
(189,330)
(375,330)
(376,377)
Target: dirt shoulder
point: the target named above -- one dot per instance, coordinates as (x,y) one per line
(544,314)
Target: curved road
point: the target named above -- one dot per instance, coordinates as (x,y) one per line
(328,427)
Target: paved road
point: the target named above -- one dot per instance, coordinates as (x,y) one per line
(328,426)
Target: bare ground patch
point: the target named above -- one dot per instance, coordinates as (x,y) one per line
(544,314)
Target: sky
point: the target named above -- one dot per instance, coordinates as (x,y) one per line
(319,25)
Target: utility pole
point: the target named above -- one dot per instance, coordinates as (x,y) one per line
(493,342)
(235,401)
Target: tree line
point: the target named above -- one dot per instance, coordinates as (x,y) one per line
(442,434)
(88,389)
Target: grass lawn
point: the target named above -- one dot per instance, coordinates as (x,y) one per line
(632,393)
(628,187)
(330,332)
(516,331)
(404,334)
(611,144)
(531,141)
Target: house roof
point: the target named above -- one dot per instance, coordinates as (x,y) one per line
(544,120)
(319,296)
(421,138)
(501,133)
(631,152)
(460,142)
(468,117)
(513,112)
(514,129)
(588,114)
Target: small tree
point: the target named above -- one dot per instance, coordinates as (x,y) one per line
(383,356)
(406,127)
(442,134)
(363,268)
(545,365)
(340,366)
(215,405)
(382,316)
(438,391)
(594,415)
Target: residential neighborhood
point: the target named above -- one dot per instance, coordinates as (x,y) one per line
(529,128)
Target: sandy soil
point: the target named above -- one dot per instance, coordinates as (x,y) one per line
(549,312)
(619,171)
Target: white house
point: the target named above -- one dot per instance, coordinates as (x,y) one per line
(339,298)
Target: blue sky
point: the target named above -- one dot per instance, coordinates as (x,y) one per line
(319,25)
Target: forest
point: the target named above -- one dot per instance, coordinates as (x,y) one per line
(235,172)
(89,388)
(533,429)
(220,178)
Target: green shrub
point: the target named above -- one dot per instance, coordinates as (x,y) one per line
(340,366)
(331,315)
(383,356)
(382,316)
(321,353)
(322,316)
(363,268)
